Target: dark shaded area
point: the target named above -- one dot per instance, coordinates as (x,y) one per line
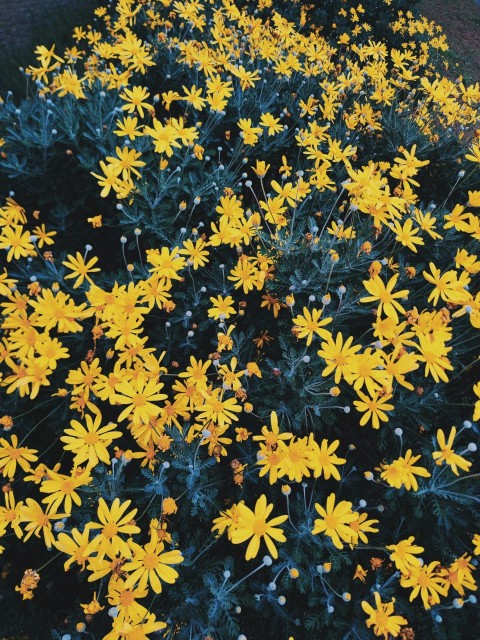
(461,24)
(24,24)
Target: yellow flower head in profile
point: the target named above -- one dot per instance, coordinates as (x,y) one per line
(404,554)
(254,525)
(474,198)
(402,472)
(382,618)
(446,453)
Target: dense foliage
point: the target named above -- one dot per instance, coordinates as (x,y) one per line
(240,312)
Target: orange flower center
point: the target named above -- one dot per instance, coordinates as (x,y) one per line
(126,598)
(110,530)
(68,486)
(260,527)
(139,400)
(423,580)
(91,438)
(217,406)
(331,521)
(150,561)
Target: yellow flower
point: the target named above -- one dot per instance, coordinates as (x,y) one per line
(17,242)
(401,472)
(272,125)
(193,96)
(382,619)
(217,409)
(130,630)
(361,525)
(360,573)
(92,607)
(335,521)
(270,459)
(89,444)
(169,506)
(165,137)
(38,521)
(11,455)
(80,269)
(373,408)
(95,221)
(248,132)
(322,458)
(272,436)
(447,286)
(474,198)
(433,353)
(127,159)
(139,395)
(426,581)
(62,488)
(165,263)
(228,520)
(135,99)
(446,453)
(296,461)
(113,522)
(126,600)
(309,323)
(151,564)
(10,514)
(403,554)
(474,155)
(196,254)
(476,542)
(384,294)
(109,180)
(253,525)
(222,307)
(74,546)
(128,127)
(406,234)
(196,373)
(337,355)
(261,168)
(44,237)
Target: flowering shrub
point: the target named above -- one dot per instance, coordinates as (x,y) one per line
(240,305)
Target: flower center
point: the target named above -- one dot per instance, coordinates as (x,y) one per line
(423,580)
(126,598)
(260,528)
(150,561)
(91,438)
(331,521)
(139,400)
(110,530)
(68,486)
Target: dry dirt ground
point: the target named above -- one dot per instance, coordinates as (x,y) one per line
(460,20)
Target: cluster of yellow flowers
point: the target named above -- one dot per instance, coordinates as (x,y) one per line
(123,391)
